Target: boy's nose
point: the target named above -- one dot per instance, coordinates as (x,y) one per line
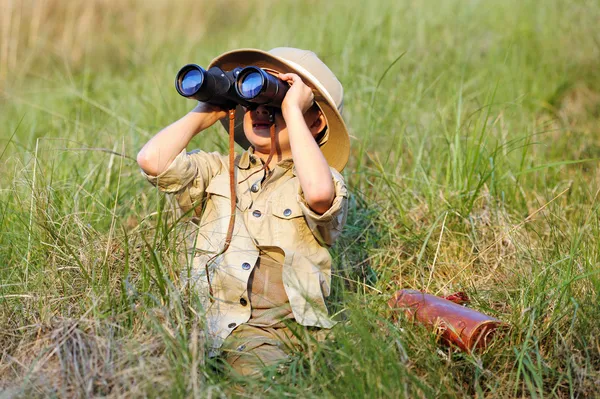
(262,110)
(264,113)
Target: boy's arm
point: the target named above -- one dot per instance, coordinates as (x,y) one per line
(327,227)
(312,168)
(160,151)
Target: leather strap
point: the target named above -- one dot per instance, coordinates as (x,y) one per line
(231,179)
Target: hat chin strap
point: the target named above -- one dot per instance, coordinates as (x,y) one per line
(232,184)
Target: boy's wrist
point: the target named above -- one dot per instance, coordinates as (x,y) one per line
(291,111)
(206,115)
(199,121)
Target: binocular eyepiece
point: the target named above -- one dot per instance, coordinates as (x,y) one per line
(250,86)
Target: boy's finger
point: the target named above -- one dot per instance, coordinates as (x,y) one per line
(289,76)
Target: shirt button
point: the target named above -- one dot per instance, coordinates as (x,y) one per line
(243,302)
(246,266)
(256,213)
(254,188)
(287,212)
(231,325)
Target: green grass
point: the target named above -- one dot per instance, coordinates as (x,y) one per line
(474,168)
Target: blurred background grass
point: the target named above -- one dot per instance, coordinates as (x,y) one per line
(474,167)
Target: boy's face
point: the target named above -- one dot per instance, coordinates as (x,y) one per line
(257,127)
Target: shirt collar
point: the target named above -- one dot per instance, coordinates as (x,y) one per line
(285,164)
(248,159)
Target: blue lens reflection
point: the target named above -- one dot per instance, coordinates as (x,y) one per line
(191,82)
(251,85)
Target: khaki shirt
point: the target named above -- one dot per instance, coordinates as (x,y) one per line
(272,219)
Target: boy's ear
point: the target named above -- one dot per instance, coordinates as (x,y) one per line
(318,124)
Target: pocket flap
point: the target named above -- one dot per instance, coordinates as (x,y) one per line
(287,210)
(219,185)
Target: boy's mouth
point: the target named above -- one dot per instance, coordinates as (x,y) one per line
(261,125)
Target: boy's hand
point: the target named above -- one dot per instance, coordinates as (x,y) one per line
(299,96)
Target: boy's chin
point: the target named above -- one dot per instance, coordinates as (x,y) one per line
(261,132)
(259,143)
(263,146)
(259,137)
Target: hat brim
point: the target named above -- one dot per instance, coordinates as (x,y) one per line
(337,147)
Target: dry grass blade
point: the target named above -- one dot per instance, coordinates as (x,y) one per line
(492,245)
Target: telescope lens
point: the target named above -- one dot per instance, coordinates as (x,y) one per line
(251,86)
(191,82)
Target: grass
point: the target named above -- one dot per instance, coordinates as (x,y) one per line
(473,168)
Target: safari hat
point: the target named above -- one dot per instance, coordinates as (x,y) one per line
(327,89)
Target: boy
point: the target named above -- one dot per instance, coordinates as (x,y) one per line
(276,271)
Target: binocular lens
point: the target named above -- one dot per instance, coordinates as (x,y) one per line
(191,82)
(251,85)
(257,86)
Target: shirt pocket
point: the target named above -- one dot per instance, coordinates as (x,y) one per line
(220,194)
(290,227)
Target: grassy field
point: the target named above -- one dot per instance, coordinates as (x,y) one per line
(474,168)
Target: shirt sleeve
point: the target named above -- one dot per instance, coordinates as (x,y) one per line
(327,227)
(188,172)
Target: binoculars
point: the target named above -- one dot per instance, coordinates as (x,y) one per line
(250,86)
